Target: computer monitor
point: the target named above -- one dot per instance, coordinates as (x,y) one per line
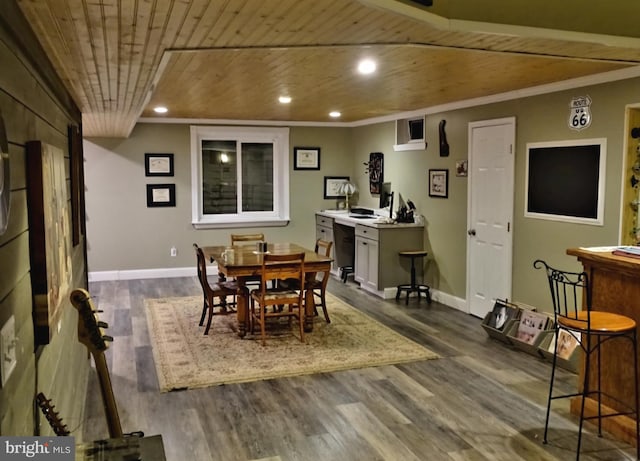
(385,195)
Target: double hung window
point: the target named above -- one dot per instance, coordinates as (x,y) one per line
(240,176)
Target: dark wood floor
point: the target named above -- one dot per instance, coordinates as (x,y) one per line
(481,400)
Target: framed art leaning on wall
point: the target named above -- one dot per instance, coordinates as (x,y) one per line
(49,236)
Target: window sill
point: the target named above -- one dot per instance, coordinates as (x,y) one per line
(239,223)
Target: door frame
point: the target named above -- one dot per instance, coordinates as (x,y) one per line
(471,126)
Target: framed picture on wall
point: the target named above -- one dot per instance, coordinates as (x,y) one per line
(439,183)
(332,186)
(306,158)
(158,164)
(159,195)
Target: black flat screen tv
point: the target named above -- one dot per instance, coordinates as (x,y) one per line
(565,181)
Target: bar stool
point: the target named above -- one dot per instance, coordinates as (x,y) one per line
(593,328)
(413,286)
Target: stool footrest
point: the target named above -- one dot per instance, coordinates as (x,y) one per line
(414,288)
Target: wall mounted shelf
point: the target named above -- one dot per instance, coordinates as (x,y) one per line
(410,134)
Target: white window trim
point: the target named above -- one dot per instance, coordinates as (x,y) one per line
(280,139)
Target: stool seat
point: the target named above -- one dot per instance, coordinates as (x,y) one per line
(413,253)
(413,287)
(599,322)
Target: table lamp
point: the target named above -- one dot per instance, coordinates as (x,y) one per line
(347,188)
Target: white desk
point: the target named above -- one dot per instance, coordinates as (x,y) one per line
(378,268)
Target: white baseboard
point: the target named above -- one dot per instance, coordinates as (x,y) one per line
(443,298)
(450,300)
(137,274)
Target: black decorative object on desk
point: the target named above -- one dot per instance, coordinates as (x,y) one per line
(405,214)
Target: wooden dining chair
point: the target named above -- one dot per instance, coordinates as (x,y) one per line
(246,238)
(318,284)
(210,292)
(278,267)
(242,239)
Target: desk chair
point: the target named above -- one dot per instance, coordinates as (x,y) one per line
(211,291)
(594,328)
(278,267)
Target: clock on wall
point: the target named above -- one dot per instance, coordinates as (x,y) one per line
(5,175)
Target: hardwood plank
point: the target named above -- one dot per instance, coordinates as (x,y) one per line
(377,434)
(482,400)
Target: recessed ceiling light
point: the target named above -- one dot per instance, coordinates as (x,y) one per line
(367,66)
(284,99)
(334,114)
(160,110)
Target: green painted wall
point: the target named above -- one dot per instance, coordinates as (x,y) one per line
(120,222)
(123,234)
(539,118)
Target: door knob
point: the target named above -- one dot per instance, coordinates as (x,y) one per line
(471,232)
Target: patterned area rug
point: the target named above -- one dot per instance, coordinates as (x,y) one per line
(186,358)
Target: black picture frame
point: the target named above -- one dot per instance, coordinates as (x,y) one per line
(158,164)
(438,183)
(332,185)
(306,158)
(161,195)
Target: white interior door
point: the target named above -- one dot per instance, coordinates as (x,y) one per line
(490,213)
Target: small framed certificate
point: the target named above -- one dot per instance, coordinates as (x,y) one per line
(158,164)
(159,195)
(306,158)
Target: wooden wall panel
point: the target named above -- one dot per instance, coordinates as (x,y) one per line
(34,108)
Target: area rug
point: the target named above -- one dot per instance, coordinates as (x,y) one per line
(186,359)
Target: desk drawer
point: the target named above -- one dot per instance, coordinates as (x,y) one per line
(366,232)
(324,221)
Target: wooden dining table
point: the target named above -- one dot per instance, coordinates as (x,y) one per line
(245,261)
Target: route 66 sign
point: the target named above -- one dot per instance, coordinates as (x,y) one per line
(580,113)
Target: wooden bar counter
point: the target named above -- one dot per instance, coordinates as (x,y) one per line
(615,287)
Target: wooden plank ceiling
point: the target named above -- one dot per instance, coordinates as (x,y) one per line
(231,59)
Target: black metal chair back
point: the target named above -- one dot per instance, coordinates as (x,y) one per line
(570,292)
